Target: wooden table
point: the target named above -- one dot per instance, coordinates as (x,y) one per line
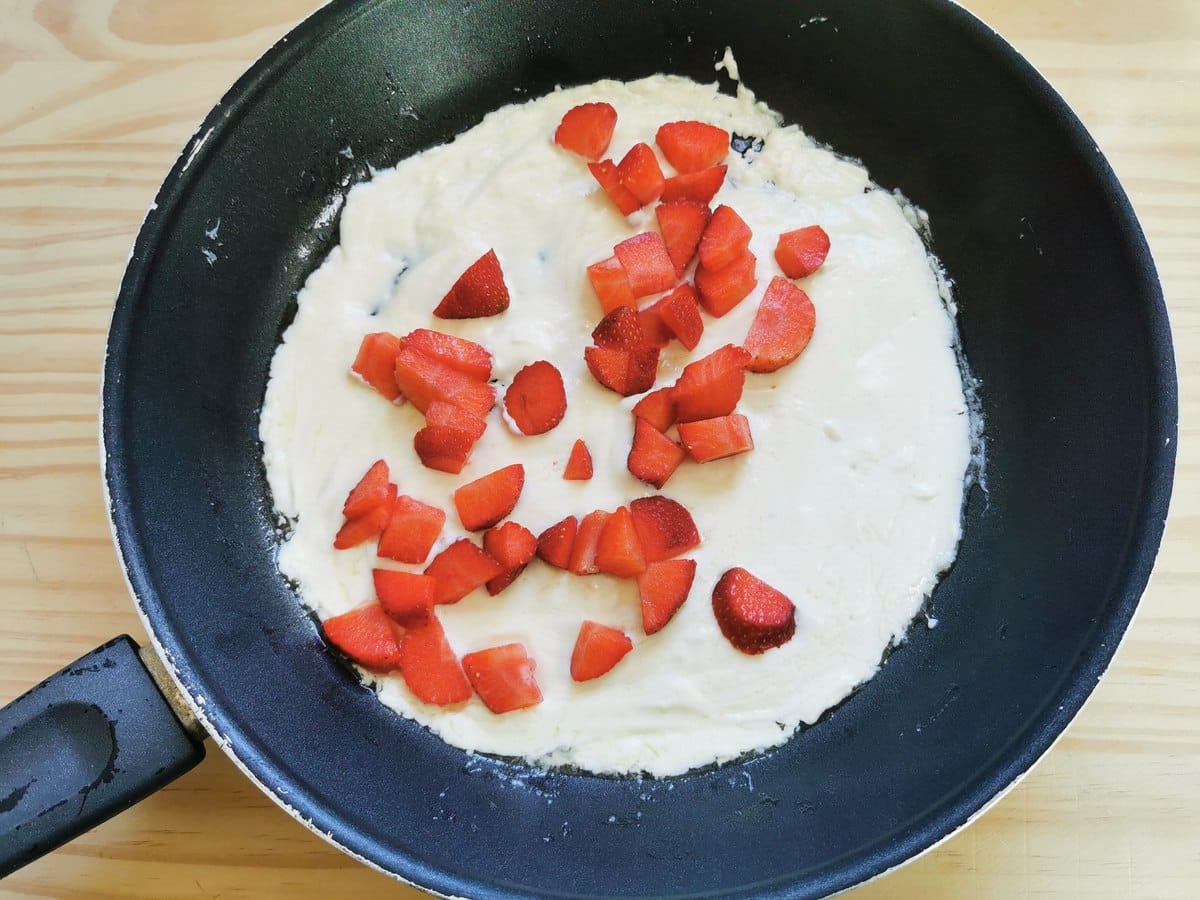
(96,99)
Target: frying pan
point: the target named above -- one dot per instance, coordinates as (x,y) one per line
(1061,318)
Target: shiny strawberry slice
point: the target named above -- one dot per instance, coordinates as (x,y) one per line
(712,385)
(663,588)
(682,223)
(370,492)
(367,636)
(412,530)
(485,501)
(579,463)
(621,329)
(657,408)
(709,439)
(423,379)
(680,313)
(627,372)
(782,327)
(503,677)
(664,527)
(405,596)
(597,649)
(692,146)
(640,174)
(605,172)
(725,238)
(450,416)
(376,363)
(699,186)
(429,666)
(647,263)
(555,543)
(611,284)
(512,546)
(443,447)
(752,615)
(480,291)
(458,353)
(587,129)
(723,289)
(619,552)
(459,569)
(654,457)
(369,525)
(656,333)
(803,251)
(587,539)
(536,401)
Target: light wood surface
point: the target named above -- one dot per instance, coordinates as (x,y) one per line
(96,99)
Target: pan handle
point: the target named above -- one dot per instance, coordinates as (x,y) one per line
(85,744)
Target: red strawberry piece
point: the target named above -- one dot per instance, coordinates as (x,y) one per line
(725,238)
(782,327)
(663,588)
(640,174)
(458,353)
(512,546)
(405,596)
(657,408)
(619,551)
(620,330)
(680,313)
(654,457)
(586,129)
(579,463)
(709,439)
(370,492)
(647,263)
(664,527)
(367,636)
(480,291)
(627,372)
(692,146)
(485,501)
(536,401)
(424,379)
(610,283)
(803,251)
(376,362)
(752,615)
(682,223)
(555,543)
(503,677)
(597,649)
(712,385)
(443,448)
(655,330)
(450,416)
(605,172)
(587,538)
(365,527)
(722,290)
(459,569)
(412,530)
(429,666)
(698,186)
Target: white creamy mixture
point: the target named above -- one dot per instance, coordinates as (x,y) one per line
(850,503)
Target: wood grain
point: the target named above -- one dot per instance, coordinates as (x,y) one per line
(96,99)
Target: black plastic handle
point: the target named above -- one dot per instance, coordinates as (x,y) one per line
(85,744)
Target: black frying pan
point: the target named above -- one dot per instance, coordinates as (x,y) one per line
(1061,318)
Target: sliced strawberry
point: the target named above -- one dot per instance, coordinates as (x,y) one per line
(620,330)
(725,238)
(611,284)
(752,615)
(536,401)
(430,668)
(450,416)
(692,146)
(512,546)
(782,327)
(681,223)
(641,174)
(458,353)
(376,361)
(647,263)
(369,525)
(583,550)
(597,649)
(587,129)
(655,331)
(803,251)
(423,379)
(480,291)
(680,312)
(619,551)
(712,385)
(503,677)
(654,457)
(367,636)
(709,439)
(412,530)
(405,596)
(579,463)
(664,527)
(459,569)
(443,448)
(605,172)
(657,408)
(485,501)
(627,372)
(698,186)
(370,492)
(555,543)
(663,588)
(722,290)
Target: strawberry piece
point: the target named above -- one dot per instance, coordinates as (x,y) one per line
(627,372)
(370,492)
(555,543)
(365,527)
(709,439)
(752,615)
(803,251)
(412,530)
(664,527)
(682,223)
(503,677)
(657,408)
(448,415)
(429,666)
(587,538)
(512,546)
(692,146)
(405,596)
(443,448)
(655,330)
(782,327)
(698,186)
(597,649)
(663,588)
(619,551)
(610,283)
(680,313)
(459,569)
(653,457)
(458,353)
(376,361)
(423,379)
(536,401)
(587,129)
(480,291)
(725,238)
(485,501)
(712,385)
(646,262)
(579,463)
(722,290)
(367,636)
(605,172)
(620,330)
(640,174)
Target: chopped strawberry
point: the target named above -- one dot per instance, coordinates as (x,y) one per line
(682,223)
(480,291)
(503,677)
(512,546)
(712,385)
(698,186)
(536,401)
(610,283)
(803,251)
(605,172)
(367,636)
(752,615)
(619,551)
(405,596)
(369,525)
(458,353)
(586,129)
(620,330)
(627,372)
(412,530)
(555,543)
(656,332)
(443,448)
(782,327)
(424,378)
(692,146)
(680,313)
(376,361)
(485,501)
(641,174)
(370,492)
(709,439)
(579,463)
(647,263)
(663,588)
(429,666)
(597,649)
(654,457)
(657,408)
(587,539)
(664,527)
(722,290)
(447,414)
(459,569)
(725,238)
